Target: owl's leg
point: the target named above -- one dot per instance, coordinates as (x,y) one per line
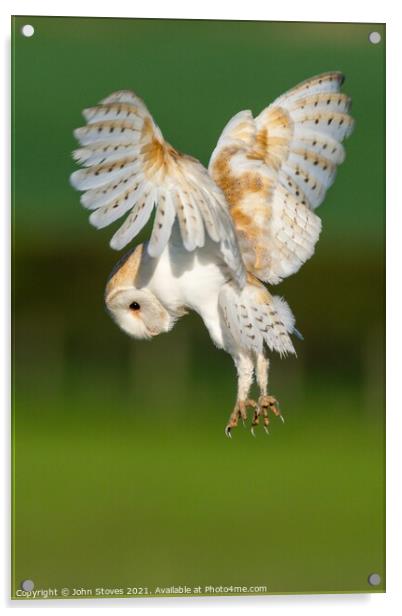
(266,403)
(245,373)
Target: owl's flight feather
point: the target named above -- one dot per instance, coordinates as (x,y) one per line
(266,176)
(275,170)
(256,202)
(130,169)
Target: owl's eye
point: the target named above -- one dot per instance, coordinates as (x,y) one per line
(135,306)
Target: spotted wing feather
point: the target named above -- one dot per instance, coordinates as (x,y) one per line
(129,169)
(275,169)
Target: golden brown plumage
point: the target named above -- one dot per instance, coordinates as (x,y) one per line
(217,235)
(275,169)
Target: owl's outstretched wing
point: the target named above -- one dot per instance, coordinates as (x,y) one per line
(130,169)
(275,170)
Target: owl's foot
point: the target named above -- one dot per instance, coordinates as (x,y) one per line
(265,404)
(239,411)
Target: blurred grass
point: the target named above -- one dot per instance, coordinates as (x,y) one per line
(122,473)
(141,499)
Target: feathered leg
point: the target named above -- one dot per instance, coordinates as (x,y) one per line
(265,403)
(245,373)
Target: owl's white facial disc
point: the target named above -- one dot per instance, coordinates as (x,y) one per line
(138,312)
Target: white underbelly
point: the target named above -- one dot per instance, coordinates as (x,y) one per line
(191,280)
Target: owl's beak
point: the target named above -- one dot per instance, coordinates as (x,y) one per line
(125,272)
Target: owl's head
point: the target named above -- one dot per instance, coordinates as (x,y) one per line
(137,311)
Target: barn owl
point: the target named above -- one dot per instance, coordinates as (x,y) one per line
(219,234)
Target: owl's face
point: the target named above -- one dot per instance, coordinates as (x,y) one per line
(138,312)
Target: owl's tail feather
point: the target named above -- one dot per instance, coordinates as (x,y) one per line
(298,334)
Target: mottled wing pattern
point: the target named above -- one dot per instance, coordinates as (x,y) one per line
(129,169)
(253,317)
(275,170)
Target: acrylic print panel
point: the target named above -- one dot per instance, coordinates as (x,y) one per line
(124,481)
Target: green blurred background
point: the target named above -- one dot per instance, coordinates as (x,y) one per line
(122,473)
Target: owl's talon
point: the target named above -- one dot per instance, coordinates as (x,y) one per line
(239,412)
(266,404)
(261,410)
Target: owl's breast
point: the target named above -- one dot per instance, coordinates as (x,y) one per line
(183,280)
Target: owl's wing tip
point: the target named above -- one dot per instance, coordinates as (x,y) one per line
(116,244)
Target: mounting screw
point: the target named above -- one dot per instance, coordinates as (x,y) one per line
(374,579)
(28,30)
(27,585)
(375,38)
